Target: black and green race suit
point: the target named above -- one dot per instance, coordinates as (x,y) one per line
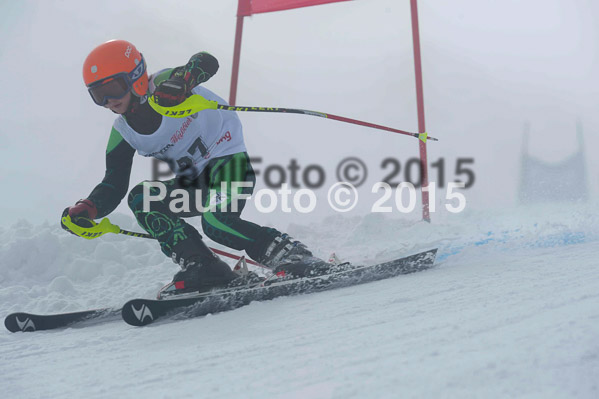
(223,225)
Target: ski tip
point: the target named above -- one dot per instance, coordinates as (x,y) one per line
(429,255)
(424,259)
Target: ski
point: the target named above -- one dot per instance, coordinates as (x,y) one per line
(28,322)
(141,312)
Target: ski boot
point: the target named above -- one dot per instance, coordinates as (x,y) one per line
(292,258)
(201,270)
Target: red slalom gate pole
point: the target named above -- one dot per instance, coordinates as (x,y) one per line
(420,104)
(242,7)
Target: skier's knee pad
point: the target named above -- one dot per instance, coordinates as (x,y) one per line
(135,200)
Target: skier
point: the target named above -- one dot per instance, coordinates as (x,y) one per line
(203,150)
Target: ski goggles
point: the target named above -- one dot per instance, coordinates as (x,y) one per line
(116,86)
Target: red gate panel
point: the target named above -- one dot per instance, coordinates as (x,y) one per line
(249,7)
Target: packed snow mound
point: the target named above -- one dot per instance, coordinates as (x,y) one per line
(46,269)
(379,236)
(510,310)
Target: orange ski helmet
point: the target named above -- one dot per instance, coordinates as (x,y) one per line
(116,63)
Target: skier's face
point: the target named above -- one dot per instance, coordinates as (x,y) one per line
(119,106)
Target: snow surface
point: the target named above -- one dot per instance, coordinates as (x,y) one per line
(512,310)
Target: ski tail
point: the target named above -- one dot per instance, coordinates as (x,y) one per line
(28,322)
(141,312)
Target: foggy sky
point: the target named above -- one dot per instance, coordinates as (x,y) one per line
(489,67)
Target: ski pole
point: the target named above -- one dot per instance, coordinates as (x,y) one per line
(196,103)
(105,226)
